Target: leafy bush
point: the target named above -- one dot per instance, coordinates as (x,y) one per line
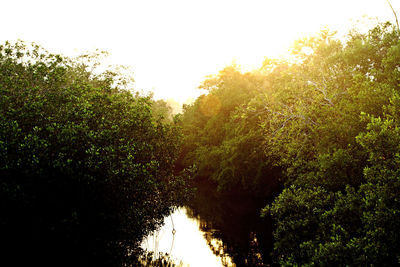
(86,168)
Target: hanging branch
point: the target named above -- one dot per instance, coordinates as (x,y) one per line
(395,15)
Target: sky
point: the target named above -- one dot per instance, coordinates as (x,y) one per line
(171,46)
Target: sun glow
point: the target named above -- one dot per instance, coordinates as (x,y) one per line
(173,45)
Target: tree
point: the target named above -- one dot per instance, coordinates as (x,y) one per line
(221,141)
(86,169)
(338,148)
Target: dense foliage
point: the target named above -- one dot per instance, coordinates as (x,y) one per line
(221,142)
(324,125)
(334,132)
(86,168)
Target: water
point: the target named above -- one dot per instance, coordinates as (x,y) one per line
(188,245)
(216,231)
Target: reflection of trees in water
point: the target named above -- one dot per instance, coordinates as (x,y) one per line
(233,227)
(218,247)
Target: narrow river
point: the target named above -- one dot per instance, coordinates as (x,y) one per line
(213,230)
(187,245)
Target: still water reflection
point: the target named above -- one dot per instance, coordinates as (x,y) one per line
(182,239)
(217,230)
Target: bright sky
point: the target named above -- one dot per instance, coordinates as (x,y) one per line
(172,45)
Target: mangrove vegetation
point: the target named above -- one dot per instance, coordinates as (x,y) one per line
(89,167)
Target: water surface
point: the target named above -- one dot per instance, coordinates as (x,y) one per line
(216,230)
(187,245)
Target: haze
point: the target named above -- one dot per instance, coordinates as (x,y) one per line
(172,45)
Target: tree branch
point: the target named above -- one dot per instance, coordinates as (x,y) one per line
(395,15)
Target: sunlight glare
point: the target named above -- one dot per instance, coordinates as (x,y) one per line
(173,45)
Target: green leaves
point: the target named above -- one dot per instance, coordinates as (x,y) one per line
(340,206)
(84,159)
(222,137)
